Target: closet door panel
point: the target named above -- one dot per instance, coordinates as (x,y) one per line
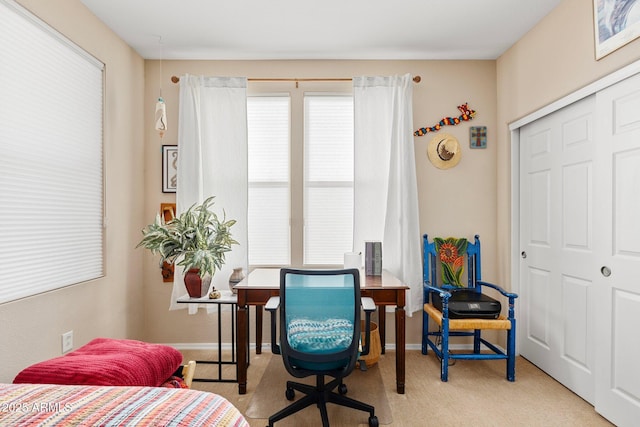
(556,234)
(618,252)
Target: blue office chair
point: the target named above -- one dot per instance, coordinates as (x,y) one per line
(320,336)
(443,275)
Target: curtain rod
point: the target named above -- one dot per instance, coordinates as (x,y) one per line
(416,79)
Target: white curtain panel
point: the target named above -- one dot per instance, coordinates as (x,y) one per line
(212,161)
(385,187)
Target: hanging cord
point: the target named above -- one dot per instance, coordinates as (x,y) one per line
(438,343)
(161,110)
(160,75)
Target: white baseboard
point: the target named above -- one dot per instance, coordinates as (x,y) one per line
(265,346)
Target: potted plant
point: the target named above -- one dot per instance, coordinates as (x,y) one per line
(197,238)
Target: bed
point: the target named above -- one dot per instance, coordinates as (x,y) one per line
(82,405)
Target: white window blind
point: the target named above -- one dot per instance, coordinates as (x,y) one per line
(268,157)
(328,184)
(51,174)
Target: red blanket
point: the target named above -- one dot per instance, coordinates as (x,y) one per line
(105,361)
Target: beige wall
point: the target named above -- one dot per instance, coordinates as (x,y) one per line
(553,60)
(111,306)
(459,201)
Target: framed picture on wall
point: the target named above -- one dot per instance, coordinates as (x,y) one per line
(616,23)
(169,168)
(168,212)
(478,137)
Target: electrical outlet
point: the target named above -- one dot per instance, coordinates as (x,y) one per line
(67,341)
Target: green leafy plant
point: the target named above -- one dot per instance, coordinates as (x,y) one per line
(197,237)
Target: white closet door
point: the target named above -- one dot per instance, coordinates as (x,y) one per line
(557,305)
(617,243)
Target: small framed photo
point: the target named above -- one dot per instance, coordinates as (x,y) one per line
(616,23)
(169,168)
(478,137)
(168,212)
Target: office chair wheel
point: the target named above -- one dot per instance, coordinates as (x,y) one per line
(342,389)
(373,421)
(290,394)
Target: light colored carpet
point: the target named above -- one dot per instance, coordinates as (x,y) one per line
(477,394)
(366,386)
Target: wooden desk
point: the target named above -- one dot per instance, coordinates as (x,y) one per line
(263,283)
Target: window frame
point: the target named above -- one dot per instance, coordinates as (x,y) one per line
(296,92)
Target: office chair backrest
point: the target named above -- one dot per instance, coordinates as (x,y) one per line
(319,319)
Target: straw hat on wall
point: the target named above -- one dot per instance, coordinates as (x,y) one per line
(444,151)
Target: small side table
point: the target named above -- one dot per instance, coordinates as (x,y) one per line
(228,298)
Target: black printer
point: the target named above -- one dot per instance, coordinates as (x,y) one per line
(467,303)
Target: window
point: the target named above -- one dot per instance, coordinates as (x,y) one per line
(268,157)
(51,232)
(300,178)
(328,183)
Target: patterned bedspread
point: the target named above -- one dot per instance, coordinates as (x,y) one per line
(57,405)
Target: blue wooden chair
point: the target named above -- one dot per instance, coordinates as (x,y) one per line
(443,273)
(320,336)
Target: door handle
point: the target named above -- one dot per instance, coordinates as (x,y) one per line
(606,271)
(523,254)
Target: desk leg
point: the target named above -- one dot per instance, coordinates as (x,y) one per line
(259,312)
(382,326)
(243,347)
(400,349)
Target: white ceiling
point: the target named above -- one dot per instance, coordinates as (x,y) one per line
(320,29)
